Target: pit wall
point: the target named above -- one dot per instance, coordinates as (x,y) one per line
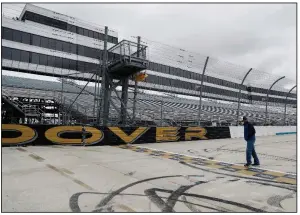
(13,134)
(238,132)
(71,135)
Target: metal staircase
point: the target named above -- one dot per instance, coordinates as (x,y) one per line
(29,111)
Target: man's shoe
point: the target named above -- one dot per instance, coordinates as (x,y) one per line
(247,165)
(255,164)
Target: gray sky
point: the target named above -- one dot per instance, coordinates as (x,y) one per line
(262,36)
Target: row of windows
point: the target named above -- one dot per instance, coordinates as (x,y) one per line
(206,89)
(189,86)
(49,43)
(195,76)
(190,75)
(67,27)
(47,60)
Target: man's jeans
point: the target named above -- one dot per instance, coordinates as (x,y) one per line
(251,152)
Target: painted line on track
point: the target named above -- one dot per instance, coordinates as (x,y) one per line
(215,160)
(221,165)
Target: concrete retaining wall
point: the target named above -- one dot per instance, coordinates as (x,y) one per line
(238,132)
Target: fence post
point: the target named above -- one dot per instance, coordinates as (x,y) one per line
(201,89)
(286,104)
(239,97)
(161,112)
(266,114)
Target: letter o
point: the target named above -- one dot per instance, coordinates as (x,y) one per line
(28,134)
(52,135)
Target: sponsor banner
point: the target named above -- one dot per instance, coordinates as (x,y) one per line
(13,134)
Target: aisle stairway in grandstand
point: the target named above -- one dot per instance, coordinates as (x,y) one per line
(26,111)
(148,106)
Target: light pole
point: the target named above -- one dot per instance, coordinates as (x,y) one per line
(201,89)
(266,114)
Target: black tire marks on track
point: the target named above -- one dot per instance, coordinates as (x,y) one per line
(167,206)
(253,180)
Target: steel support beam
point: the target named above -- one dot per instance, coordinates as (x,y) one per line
(266,114)
(287,95)
(104,99)
(124,99)
(201,89)
(161,112)
(135,82)
(69,108)
(239,98)
(114,89)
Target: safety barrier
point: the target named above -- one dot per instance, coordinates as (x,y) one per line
(285,133)
(238,132)
(13,134)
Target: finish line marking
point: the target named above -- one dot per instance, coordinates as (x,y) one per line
(226,166)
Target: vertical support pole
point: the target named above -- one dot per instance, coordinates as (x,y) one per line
(161,112)
(63,113)
(95,95)
(62,88)
(103,103)
(124,100)
(201,89)
(287,95)
(135,82)
(266,114)
(239,97)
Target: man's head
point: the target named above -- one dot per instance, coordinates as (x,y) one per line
(245,120)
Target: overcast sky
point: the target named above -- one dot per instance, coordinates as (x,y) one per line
(262,36)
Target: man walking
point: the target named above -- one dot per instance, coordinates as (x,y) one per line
(83,135)
(249,135)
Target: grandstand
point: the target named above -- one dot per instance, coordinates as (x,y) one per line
(176,111)
(46,43)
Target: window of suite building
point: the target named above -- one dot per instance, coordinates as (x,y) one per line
(52,43)
(25,56)
(44,42)
(16,55)
(25,38)
(7,33)
(86,32)
(51,61)
(73,48)
(58,62)
(66,46)
(43,59)
(36,40)
(17,36)
(66,63)
(80,31)
(59,45)
(35,58)
(6,53)
(91,33)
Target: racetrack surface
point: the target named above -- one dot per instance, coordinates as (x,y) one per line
(135,179)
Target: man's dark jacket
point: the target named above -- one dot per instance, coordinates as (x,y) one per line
(249,131)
